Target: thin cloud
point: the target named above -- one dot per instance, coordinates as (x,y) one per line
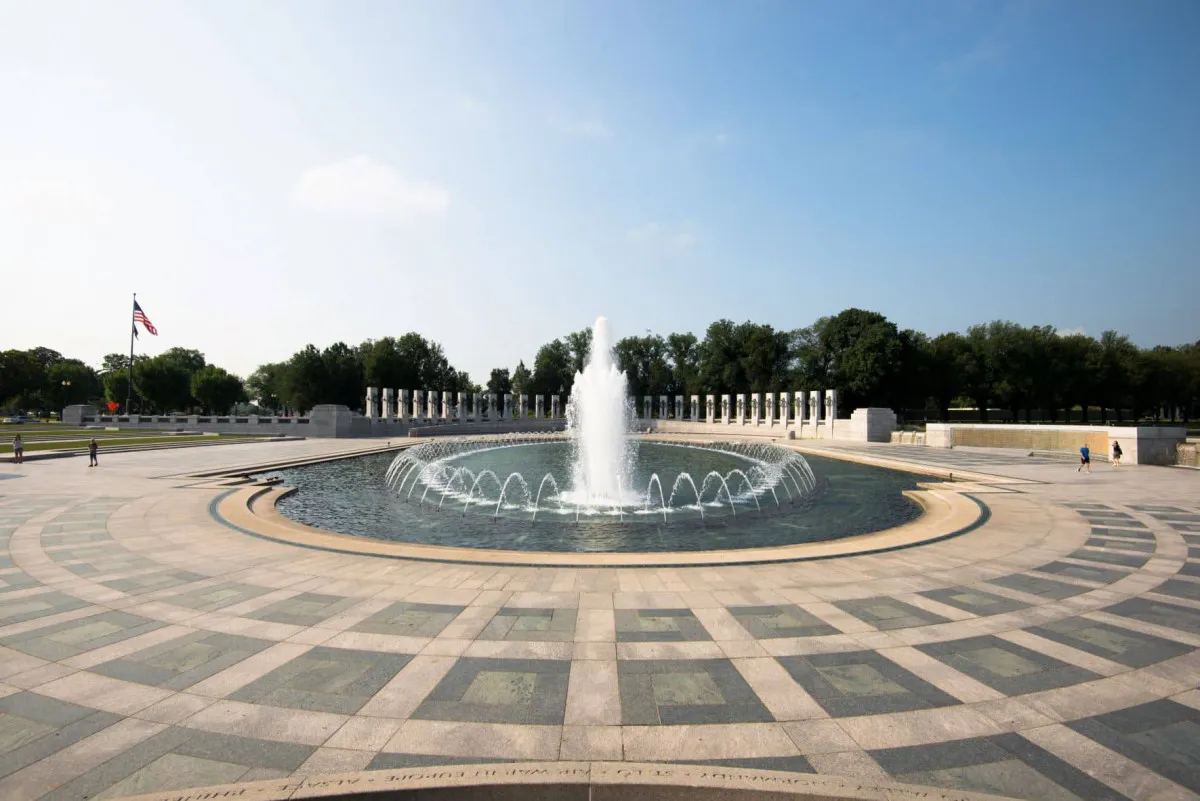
(1071,332)
(53,203)
(676,238)
(583,127)
(360,186)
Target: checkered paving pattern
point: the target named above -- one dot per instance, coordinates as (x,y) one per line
(1052,653)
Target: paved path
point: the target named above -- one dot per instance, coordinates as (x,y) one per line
(1049,654)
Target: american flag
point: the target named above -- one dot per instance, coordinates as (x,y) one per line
(139,316)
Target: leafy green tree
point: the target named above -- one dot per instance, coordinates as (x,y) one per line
(552,369)
(579,344)
(1114,373)
(522,379)
(683,353)
(644,361)
(344,373)
(266,386)
(216,390)
(950,358)
(500,382)
(861,353)
(306,380)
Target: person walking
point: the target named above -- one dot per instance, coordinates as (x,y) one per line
(1085,459)
(1116,454)
(18,449)
(92,449)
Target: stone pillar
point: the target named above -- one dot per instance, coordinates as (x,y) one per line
(710,409)
(647,405)
(461,411)
(741,409)
(492,415)
(769,409)
(369,405)
(800,412)
(662,407)
(755,408)
(388,404)
(554,400)
(784,408)
(678,407)
(418,405)
(524,410)
(539,406)
(695,409)
(476,409)
(814,409)
(403,405)
(507,406)
(725,409)
(830,411)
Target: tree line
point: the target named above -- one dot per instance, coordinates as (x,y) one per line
(866,357)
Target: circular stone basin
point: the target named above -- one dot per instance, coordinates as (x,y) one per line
(748,500)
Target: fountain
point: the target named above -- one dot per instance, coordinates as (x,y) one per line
(601,487)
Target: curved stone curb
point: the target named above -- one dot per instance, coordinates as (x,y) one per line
(570,781)
(944,514)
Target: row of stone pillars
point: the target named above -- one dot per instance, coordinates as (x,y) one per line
(765,408)
(418,405)
(770,408)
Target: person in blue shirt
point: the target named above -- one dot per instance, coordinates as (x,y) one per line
(1085,459)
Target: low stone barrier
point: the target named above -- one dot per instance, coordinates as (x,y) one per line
(1139,444)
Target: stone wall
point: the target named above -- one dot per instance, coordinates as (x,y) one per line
(1139,444)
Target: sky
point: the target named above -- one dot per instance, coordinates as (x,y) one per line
(493,175)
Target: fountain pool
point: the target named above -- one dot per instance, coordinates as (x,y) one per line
(599,487)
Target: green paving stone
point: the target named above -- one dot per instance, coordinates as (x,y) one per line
(330,676)
(859,680)
(185,657)
(84,633)
(1108,639)
(679,689)
(1001,662)
(175,772)
(531,624)
(16,732)
(657,624)
(1178,741)
(501,688)
(1010,778)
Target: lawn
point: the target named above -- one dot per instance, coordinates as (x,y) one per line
(119,442)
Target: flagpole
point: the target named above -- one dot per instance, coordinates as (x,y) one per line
(132,329)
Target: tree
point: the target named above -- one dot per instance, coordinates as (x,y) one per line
(1114,372)
(644,362)
(552,371)
(265,386)
(521,379)
(306,380)
(216,390)
(499,383)
(683,353)
(861,353)
(950,359)
(346,384)
(579,343)
(720,359)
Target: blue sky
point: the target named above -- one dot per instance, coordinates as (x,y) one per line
(495,174)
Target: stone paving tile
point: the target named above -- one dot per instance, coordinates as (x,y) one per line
(149,582)
(1006,764)
(1180,589)
(787,620)
(217,596)
(1162,735)
(659,625)
(32,727)
(390,761)
(178,758)
(525,624)
(325,680)
(409,619)
(1100,575)
(686,691)
(182,662)
(1109,557)
(862,683)
(74,637)
(1010,668)
(888,613)
(1157,613)
(1036,585)
(794,764)
(1132,648)
(482,690)
(973,600)
(1142,545)
(19,610)
(305,609)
